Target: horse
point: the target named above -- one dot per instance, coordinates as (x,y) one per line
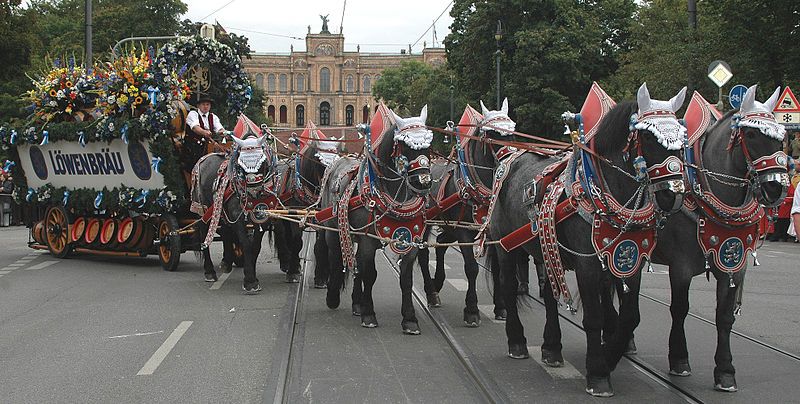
(233,191)
(460,198)
(390,183)
(732,167)
(595,212)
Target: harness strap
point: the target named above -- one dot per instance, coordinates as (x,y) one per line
(550,249)
(348,255)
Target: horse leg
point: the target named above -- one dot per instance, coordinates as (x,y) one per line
(228,251)
(515,332)
(294,247)
(250,284)
(356,294)
(439,277)
(423,258)
(208,265)
(472,316)
(322,266)
(500,312)
(679,281)
(598,380)
(368,274)
(629,318)
(551,345)
(724,372)
(542,278)
(523,264)
(281,244)
(337,270)
(409,324)
(610,315)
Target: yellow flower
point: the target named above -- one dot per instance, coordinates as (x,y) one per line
(53,93)
(137,101)
(68,83)
(123,99)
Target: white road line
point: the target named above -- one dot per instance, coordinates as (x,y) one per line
(460,284)
(26,259)
(218,284)
(42,265)
(152,364)
(565,372)
(138,334)
(15,265)
(4,272)
(432,265)
(488,311)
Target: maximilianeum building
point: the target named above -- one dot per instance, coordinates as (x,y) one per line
(325,83)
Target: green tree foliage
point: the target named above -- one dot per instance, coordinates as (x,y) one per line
(18,48)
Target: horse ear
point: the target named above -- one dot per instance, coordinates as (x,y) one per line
(505,106)
(749,99)
(263,140)
(773,100)
(677,101)
(643,98)
(239,142)
(484,110)
(424,113)
(397,119)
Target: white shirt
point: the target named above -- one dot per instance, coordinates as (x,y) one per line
(194,118)
(796,200)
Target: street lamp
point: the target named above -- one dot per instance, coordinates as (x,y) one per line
(498,35)
(452,89)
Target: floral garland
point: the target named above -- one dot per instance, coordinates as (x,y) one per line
(189,50)
(63,91)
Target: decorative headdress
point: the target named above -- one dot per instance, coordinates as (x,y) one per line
(658,117)
(754,114)
(498,120)
(413,131)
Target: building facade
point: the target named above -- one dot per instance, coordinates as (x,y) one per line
(324,83)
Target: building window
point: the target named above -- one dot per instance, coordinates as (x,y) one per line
(259,80)
(349,85)
(271,113)
(324,80)
(377,77)
(300,116)
(324,113)
(349,112)
(365,114)
(301,83)
(284,114)
(271,83)
(282,83)
(367,87)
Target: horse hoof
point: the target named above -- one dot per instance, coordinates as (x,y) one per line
(680,368)
(225,267)
(552,359)
(332,299)
(369,321)
(500,315)
(434,300)
(599,386)
(725,382)
(631,348)
(518,351)
(522,288)
(292,278)
(284,270)
(211,276)
(410,328)
(252,290)
(356,309)
(320,284)
(472,320)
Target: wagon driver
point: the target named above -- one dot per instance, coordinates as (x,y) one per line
(202,124)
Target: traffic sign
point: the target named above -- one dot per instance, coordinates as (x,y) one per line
(736,95)
(719,72)
(787,102)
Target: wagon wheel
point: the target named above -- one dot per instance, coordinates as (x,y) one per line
(238,255)
(169,246)
(57,232)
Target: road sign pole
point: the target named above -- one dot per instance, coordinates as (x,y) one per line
(720,104)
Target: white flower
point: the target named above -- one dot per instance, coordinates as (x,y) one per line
(60,94)
(112,99)
(53,104)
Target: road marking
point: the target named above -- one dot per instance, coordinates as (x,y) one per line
(41,265)
(26,259)
(565,372)
(460,284)
(4,272)
(218,284)
(138,334)
(432,264)
(488,311)
(152,364)
(15,265)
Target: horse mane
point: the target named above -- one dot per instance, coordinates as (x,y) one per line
(387,142)
(612,133)
(723,122)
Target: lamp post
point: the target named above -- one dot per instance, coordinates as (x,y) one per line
(452,89)
(498,35)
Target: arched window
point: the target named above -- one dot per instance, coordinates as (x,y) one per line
(271,83)
(367,87)
(324,80)
(283,83)
(377,77)
(349,112)
(300,115)
(301,83)
(349,84)
(271,113)
(259,80)
(324,113)
(365,114)
(284,113)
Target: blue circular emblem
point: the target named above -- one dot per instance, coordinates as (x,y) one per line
(140,161)
(626,254)
(38,163)
(401,234)
(731,253)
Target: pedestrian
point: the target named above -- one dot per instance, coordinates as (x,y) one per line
(794,146)
(795,224)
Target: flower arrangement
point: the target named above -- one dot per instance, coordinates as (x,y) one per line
(63,91)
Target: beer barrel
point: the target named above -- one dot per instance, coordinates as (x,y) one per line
(92,234)
(77,230)
(38,232)
(146,240)
(130,232)
(108,233)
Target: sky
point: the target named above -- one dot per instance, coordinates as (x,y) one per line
(377,25)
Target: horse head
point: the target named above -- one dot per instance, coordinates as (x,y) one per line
(497,123)
(249,154)
(759,138)
(410,151)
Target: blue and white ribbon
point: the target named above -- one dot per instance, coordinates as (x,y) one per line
(45,138)
(29,196)
(98,200)
(142,198)
(82,138)
(152,93)
(124,132)
(156,163)
(13,136)
(9,165)
(66,198)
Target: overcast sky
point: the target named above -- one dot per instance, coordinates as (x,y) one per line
(377,25)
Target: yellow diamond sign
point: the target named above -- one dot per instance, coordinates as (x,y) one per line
(719,73)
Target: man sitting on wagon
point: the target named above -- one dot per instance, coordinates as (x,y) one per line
(201,125)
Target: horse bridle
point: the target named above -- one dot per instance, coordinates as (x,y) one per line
(771,168)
